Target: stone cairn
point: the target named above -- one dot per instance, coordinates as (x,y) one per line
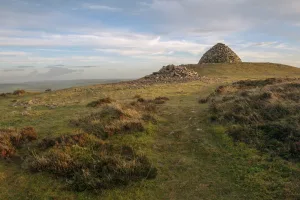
(171,73)
(220,53)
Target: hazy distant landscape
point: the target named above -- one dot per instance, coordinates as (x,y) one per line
(53,85)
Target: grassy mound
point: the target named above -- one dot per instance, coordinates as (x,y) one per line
(89,163)
(262,113)
(157,100)
(117,119)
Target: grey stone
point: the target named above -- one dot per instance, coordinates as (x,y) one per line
(220,53)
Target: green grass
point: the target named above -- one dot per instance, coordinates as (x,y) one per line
(246,70)
(195,159)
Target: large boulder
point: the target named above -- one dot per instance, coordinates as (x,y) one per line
(220,53)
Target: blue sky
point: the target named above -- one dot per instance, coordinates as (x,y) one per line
(74,39)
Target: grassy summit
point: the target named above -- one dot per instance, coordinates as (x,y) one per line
(155,141)
(245,70)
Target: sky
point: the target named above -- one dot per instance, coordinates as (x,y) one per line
(104,39)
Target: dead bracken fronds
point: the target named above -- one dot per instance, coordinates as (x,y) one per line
(11,139)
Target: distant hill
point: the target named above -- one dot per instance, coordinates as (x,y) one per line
(54,85)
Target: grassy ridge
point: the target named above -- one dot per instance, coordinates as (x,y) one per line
(246,70)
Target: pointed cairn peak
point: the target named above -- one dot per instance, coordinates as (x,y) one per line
(220,53)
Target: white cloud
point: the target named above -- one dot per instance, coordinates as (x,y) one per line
(130,47)
(123,43)
(13,53)
(101,7)
(35,60)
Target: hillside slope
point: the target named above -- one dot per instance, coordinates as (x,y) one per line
(160,126)
(246,70)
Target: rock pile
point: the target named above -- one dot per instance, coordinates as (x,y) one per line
(220,53)
(171,73)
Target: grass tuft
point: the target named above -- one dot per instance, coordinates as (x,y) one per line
(94,165)
(100,102)
(114,119)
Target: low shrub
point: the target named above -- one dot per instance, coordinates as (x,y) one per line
(257,83)
(7,148)
(141,100)
(19,92)
(162,98)
(100,102)
(137,96)
(113,119)
(81,139)
(149,118)
(157,100)
(261,113)
(89,168)
(124,126)
(28,133)
(203,101)
(11,139)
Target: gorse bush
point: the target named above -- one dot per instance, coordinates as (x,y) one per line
(262,113)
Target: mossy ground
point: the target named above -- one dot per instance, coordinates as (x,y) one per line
(195,159)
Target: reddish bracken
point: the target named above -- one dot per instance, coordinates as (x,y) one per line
(11,139)
(28,133)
